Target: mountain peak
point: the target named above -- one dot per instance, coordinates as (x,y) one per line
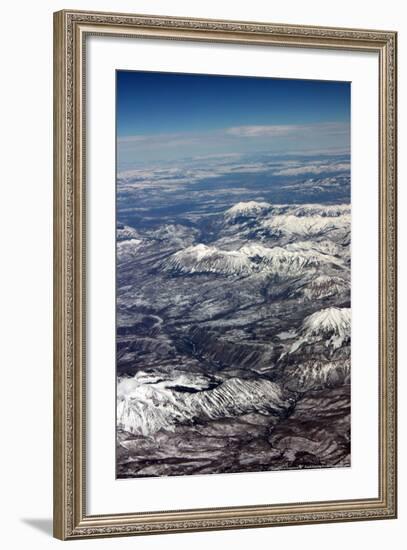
(331,319)
(250,258)
(331,325)
(201,258)
(247,209)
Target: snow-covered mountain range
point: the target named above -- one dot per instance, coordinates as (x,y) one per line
(250,258)
(147,407)
(234,332)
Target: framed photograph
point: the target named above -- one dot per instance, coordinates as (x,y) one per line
(225,274)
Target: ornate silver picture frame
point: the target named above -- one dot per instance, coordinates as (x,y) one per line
(71,517)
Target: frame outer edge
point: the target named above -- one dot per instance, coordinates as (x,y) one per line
(59,425)
(69,522)
(392,177)
(395,259)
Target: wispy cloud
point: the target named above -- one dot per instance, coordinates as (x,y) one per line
(217,156)
(158,140)
(233,140)
(262,131)
(131,139)
(278,130)
(247,131)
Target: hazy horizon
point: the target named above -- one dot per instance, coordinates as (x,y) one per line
(168,117)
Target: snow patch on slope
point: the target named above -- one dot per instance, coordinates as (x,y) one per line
(279,260)
(329,210)
(306,226)
(246,209)
(331,325)
(127,250)
(322,286)
(145,408)
(329,248)
(314,375)
(209,259)
(250,258)
(125,232)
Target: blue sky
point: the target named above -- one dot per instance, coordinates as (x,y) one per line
(167,116)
